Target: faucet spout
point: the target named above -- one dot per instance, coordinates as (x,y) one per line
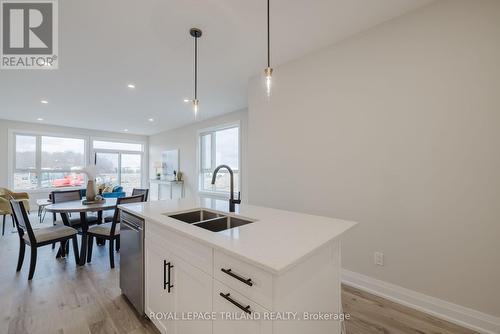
(232,201)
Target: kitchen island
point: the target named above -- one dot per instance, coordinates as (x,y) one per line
(258,270)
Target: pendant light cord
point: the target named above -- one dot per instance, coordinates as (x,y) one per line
(196,68)
(268,38)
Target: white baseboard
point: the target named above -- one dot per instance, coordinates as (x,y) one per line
(463,316)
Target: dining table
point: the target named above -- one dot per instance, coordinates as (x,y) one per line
(66,208)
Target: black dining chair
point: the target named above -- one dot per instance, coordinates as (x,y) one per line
(135,192)
(138,191)
(39,237)
(60,196)
(110,231)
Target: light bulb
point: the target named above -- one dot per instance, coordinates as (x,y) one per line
(195,107)
(269,76)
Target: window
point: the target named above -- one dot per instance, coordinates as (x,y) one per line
(53,161)
(217,147)
(48,162)
(119,163)
(117,146)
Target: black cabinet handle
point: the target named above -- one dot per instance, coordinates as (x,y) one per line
(166,276)
(227,297)
(247,281)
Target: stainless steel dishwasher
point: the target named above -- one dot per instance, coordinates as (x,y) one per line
(132,259)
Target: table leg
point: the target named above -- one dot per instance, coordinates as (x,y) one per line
(100,241)
(85,227)
(65,219)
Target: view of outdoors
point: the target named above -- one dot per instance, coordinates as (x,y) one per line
(25,176)
(107,167)
(216,148)
(52,162)
(131,172)
(119,168)
(55,165)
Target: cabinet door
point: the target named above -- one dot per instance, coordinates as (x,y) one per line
(226,307)
(192,291)
(159,302)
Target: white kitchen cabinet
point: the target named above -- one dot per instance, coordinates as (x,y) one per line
(192,292)
(176,289)
(158,301)
(210,276)
(227,308)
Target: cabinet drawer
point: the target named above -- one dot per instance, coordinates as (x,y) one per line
(252,282)
(234,303)
(194,253)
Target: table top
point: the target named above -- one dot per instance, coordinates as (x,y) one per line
(78,206)
(43,202)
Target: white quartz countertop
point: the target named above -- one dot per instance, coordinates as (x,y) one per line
(276,241)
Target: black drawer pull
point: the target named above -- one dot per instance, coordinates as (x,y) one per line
(166,276)
(227,297)
(247,281)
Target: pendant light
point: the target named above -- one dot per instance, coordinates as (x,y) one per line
(268,72)
(195,33)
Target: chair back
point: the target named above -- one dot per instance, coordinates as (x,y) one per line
(137,191)
(22,221)
(6,193)
(61,196)
(124,200)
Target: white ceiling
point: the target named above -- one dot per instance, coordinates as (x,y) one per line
(105,44)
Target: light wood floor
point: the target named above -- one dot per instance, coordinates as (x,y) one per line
(63,298)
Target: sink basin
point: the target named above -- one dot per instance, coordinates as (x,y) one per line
(209,220)
(195,216)
(222,223)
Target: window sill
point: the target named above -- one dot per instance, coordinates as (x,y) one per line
(45,190)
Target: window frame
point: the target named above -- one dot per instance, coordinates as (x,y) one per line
(38,159)
(212,130)
(95,151)
(89,156)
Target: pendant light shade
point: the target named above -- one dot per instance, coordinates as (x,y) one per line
(268,72)
(195,33)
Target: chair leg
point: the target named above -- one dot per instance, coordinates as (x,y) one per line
(89,248)
(111,253)
(63,248)
(12,218)
(20,260)
(75,249)
(32,262)
(118,244)
(67,247)
(3,225)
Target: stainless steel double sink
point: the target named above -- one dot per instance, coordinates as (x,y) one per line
(210,220)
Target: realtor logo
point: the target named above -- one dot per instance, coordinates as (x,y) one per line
(29,34)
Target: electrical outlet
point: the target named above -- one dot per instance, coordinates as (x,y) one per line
(379,258)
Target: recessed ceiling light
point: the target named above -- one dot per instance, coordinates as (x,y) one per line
(131,86)
(39,119)
(44,101)
(125,130)
(151,119)
(186,100)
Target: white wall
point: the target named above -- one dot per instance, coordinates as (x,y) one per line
(185,139)
(6,125)
(397,128)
